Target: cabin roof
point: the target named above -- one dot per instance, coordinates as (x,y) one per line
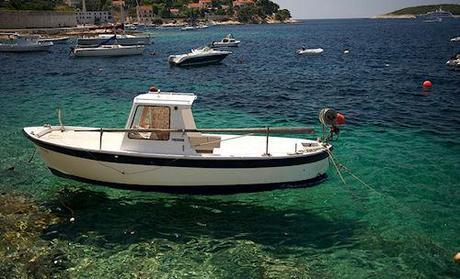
(166,98)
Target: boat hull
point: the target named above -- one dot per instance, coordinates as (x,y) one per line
(169,174)
(121,41)
(123,51)
(199,61)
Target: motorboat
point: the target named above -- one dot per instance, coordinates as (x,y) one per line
(108,50)
(54,40)
(454,61)
(122,39)
(199,56)
(20,43)
(309,51)
(161,149)
(456,39)
(228,41)
(194,27)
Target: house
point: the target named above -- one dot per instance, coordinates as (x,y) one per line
(238,3)
(146,13)
(174,11)
(93,17)
(118,3)
(201,4)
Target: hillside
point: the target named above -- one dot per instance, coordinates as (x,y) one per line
(453,8)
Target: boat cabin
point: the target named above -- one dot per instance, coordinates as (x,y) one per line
(165,110)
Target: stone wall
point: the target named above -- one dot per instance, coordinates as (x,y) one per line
(36,19)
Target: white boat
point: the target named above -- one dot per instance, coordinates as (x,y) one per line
(161,149)
(228,41)
(21,43)
(309,51)
(456,39)
(454,61)
(54,40)
(194,27)
(123,39)
(199,56)
(108,50)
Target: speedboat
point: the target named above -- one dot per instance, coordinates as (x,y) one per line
(194,27)
(108,50)
(161,149)
(228,41)
(456,39)
(310,51)
(21,43)
(454,61)
(123,39)
(199,56)
(54,40)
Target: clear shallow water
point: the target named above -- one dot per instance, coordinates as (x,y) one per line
(402,142)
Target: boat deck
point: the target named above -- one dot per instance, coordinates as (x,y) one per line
(231,146)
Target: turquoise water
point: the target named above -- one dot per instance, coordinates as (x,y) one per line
(403,142)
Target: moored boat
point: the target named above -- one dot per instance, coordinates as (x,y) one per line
(108,50)
(123,39)
(309,51)
(54,40)
(454,61)
(25,44)
(228,41)
(199,57)
(160,149)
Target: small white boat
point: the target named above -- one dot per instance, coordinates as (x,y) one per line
(54,40)
(21,43)
(309,51)
(228,41)
(456,39)
(454,61)
(123,39)
(108,50)
(194,27)
(199,56)
(160,149)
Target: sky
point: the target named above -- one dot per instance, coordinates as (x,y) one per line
(314,9)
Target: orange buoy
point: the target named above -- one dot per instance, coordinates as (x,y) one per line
(340,119)
(427,84)
(457,257)
(153,89)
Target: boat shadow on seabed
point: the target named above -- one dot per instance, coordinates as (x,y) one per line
(182,219)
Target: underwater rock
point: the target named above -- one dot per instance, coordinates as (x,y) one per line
(23,253)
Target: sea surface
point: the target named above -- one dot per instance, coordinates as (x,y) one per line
(396,216)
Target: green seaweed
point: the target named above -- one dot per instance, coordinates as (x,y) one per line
(23,253)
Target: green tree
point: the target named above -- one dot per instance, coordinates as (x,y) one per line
(283,15)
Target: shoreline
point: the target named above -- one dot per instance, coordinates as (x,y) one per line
(95,29)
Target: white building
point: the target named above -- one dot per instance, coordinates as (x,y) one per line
(93,17)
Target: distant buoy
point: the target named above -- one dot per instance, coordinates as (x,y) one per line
(457,257)
(427,84)
(340,119)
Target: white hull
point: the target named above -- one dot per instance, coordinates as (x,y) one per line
(314,51)
(219,44)
(125,41)
(153,175)
(109,51)
(247,170)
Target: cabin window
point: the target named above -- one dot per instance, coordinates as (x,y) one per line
(151,117)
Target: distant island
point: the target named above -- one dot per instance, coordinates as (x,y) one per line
(413,12)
